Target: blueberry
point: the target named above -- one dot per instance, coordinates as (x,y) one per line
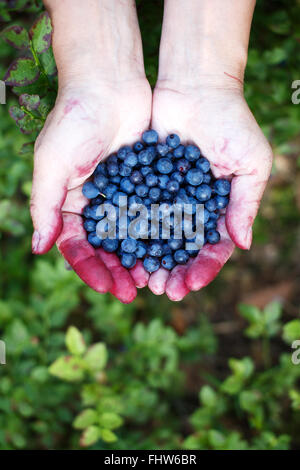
(210,225)
(173,186)
(203,193)
(191,190)
(142,190)
(177,176)
(134,202)
(136,177)
(100,181)
(213,237)
(147,201)
(183,165)
(168,262)
(94,240)
(181,256)
(221,201)
(211,205)
(129,245)
(154,194)
(101,169)
(115,179)
(162,181)
(166,249)
(146,157)
(222,187)
(141,249)
(151,264)
(90,225)
(166,196)
(150,137)
(206,178)
(87,211)
(94,213)
(138,146)
(203,164)
(179,151)
(162,149)
(110,190)
(214,215)
(127,186)
(192,153)
(123,152)
(110,245)
(131,159)
(97,200)
(175,243)
(155,249)
(119,199)
(194,177)
(173,141)
(112,168)
(145,170)
(151,180)
(125,170)
(128,260)
(90,190)
(164,166)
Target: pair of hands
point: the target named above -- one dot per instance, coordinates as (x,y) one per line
(92,120)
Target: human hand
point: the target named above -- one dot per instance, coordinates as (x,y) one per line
(104,102)
(221,124)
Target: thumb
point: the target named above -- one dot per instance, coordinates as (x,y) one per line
(48,195)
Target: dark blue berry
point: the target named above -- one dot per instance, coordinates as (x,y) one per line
(175,243)
(151,264)
(194,177)
(136,177)
(213,237)
(110,190)
(222,187)
(119,199)
(151,180)
(176,175)
(123,152)
(203,164)
(179,151)
(211,205)
(128,260)
(181,256)
(145,170)
(127,186)
(203,193)
(90,190)
(192,153)
(110,245)
(150,137)
(142,190)
(155,249)
(90,225)
(131,159)
(172,186)
(146,157)
(164,166)
(101,181)
(221,201)
(162,181)
(173,141)
(129,245)
(162,149)
(138,146)
(141,249)
(183,165)
(94,240)
(154,194)
(125,170)
(168,262)
(206,178)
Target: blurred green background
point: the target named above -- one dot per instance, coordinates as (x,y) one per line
(211,372)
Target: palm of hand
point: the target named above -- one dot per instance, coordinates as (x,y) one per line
(221,124)
(83,128)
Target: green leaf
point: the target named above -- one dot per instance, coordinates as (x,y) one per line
(291,331)
(108,436)
(96,357)
(16,36)
(250,313)
(67,368)
(22,71)
(85,419)
(74,341)
(208,396)
(90,436)
(216,438)
(272,312)
(110,420)
(40,33)
(30,102)
(48,62)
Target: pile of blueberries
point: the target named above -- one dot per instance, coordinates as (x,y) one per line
(149,173)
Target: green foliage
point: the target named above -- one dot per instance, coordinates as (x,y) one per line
(82,369)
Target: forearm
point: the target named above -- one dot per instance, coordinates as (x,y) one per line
(205,40)
(98,38)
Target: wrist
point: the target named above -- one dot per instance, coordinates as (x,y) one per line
(205,42)
(96,40)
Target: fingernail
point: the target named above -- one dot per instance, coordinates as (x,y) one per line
(248,240)
(35,241)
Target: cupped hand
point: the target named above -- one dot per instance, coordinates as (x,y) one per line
(88,122)
(221,124)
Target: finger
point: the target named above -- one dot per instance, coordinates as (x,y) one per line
(139,275)
(246,193)
(123,286)
(158,280)
(210,260)
(48,195)
(176,288)
(75,248)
